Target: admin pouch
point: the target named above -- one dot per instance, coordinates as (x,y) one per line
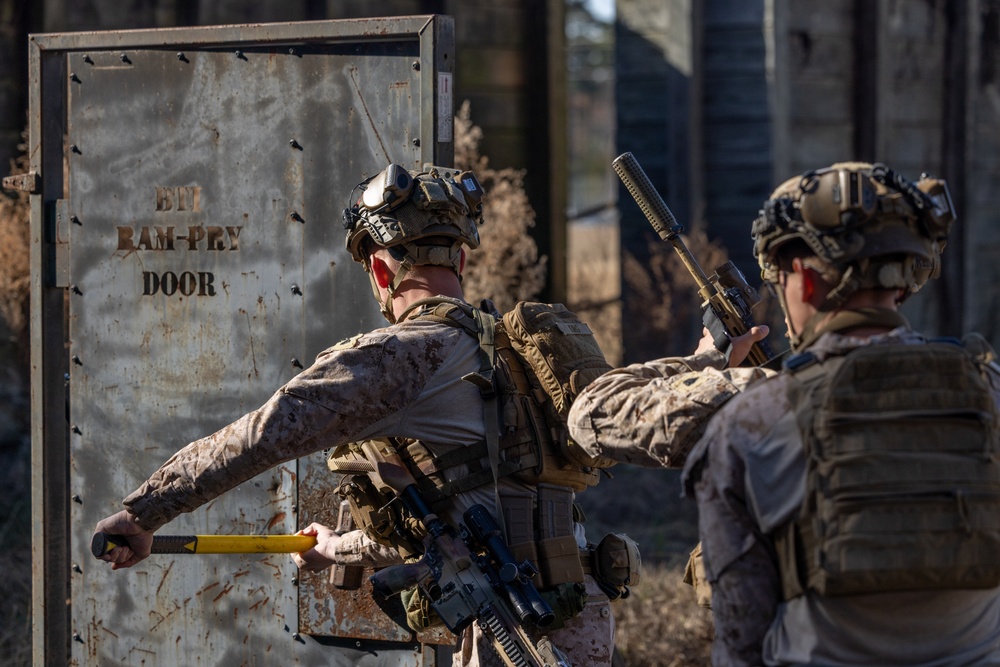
(902,473)
(694,576)
(615,564)
(373,502)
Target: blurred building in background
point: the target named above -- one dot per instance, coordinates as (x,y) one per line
(718,100)
(721,100)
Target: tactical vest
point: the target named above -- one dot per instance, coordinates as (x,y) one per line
(534,361)
(902,472)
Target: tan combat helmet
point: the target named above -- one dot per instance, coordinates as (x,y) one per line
(869,226)
(422,218)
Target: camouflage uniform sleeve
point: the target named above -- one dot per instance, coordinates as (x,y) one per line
(740,562)
(333,402)
(356,548)
(652,414)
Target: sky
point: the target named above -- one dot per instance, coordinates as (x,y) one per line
(602,9)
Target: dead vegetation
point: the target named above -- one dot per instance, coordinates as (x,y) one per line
(506,268)
(14,263)
(663,308)
(660,624)
(594,286)
(15,473)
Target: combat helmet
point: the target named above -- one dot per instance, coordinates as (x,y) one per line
(421,217)
(869,227)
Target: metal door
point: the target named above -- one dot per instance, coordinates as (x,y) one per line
(187,261)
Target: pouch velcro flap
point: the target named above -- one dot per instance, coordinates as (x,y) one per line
(560,348)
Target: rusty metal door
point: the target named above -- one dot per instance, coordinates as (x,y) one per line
(187,261)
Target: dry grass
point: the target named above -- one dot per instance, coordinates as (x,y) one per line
(594,285)
(14,267)
(15,473)
(660,624)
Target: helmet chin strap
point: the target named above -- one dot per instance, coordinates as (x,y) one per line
(794,339)
(847,285)
(829,317)
(431,255)
(811,330)
(385,307)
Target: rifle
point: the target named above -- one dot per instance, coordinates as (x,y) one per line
(470,576)
(727,298)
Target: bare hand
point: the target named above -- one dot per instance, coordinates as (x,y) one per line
(321,556)
(742,344)
(139,539)
(707,343)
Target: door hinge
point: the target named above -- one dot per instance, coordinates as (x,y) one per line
(29,182)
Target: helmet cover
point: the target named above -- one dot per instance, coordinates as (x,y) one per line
(398,208)
(857,215)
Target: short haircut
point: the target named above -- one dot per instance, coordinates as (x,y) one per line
(786,252)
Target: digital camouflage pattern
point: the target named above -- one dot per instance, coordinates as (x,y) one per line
(365,387)
(652,414)
(400,380)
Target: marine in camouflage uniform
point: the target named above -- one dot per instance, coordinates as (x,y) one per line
(401,381)
(749,471)
(651,414)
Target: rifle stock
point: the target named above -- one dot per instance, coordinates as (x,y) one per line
(727,298)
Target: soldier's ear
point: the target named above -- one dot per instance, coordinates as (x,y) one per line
(808,285)
(380,270)
(809,281)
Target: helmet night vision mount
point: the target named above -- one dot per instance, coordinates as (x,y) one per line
(397,207)
(865,221)
(421,218)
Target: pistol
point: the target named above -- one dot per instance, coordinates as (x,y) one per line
(727,298)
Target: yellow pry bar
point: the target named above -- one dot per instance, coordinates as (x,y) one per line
(250,544)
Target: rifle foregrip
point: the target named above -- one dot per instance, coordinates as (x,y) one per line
(646,196)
